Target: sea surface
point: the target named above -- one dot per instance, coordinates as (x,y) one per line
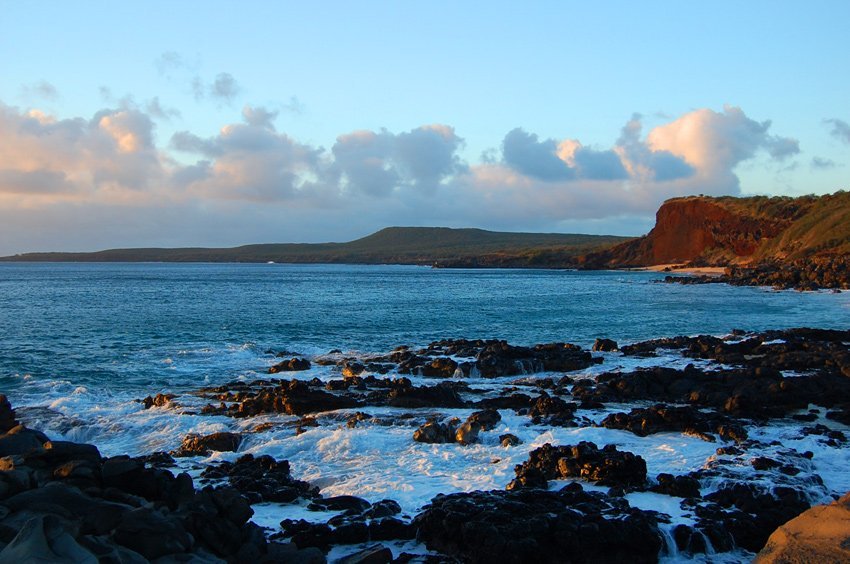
(80,343)
(151,326)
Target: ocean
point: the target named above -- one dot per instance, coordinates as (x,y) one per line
(81,343)
(143,327)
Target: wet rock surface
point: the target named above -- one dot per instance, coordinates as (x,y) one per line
(291,365)
(664,418)
(745,515)
(63,501)
(358,522)
(463,357)
(606,466)
(748,376)
(261,479)
(805,275)
(121,508)
(203,445)
(734,383)
(453,431)
(569,525)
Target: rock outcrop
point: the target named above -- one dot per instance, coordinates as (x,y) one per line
(606,466)
(791,242)
(569,525)
(63,502)
(821,534)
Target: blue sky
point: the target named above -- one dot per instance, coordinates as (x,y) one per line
(275,101)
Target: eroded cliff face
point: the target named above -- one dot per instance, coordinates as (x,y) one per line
(687,228)
(717,231)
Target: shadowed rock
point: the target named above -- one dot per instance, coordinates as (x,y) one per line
(197,445)
(291,365)
(607,466)
(538,526)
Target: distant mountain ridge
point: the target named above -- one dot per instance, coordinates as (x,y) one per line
(724,231)
(397,245)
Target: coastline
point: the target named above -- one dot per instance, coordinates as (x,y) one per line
(682,268)
(525,408)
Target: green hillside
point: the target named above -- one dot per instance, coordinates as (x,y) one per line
(400,245)
(822,228)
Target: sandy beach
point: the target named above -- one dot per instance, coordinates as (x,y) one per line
(680,269)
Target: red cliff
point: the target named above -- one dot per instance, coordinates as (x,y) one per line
(711,231)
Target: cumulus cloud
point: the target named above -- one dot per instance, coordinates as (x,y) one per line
(380,163)
(427,154)
(247,161)
(363,163)
(367,179)
(33,182)
(840,129)
(526,154)
(259,116)
(643,162)
(111,153)
(553,160)
(714,143)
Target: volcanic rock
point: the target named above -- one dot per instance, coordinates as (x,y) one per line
(605,345)
(553,411)
(434,433)
(197,445)
(7,415)
(159,400)
(607,466)
(744,515)
(538,526)
(662,418)
(261,478)
(485,420)
(291,365)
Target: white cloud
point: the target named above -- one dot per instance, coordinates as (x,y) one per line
(259,116)
(111,165)
(714,143)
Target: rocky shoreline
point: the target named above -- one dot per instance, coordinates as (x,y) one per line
(568,502)
(805,275)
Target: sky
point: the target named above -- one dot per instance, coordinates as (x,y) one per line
(139,124)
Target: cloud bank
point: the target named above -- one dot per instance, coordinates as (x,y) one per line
(105,181)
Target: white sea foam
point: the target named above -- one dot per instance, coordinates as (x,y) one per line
(377,461)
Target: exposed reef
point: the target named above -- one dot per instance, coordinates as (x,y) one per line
(567,501)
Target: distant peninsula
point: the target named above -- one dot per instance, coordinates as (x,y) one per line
(393,245)
(786,242)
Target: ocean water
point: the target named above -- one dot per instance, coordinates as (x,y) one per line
(146,326)
(80,343)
